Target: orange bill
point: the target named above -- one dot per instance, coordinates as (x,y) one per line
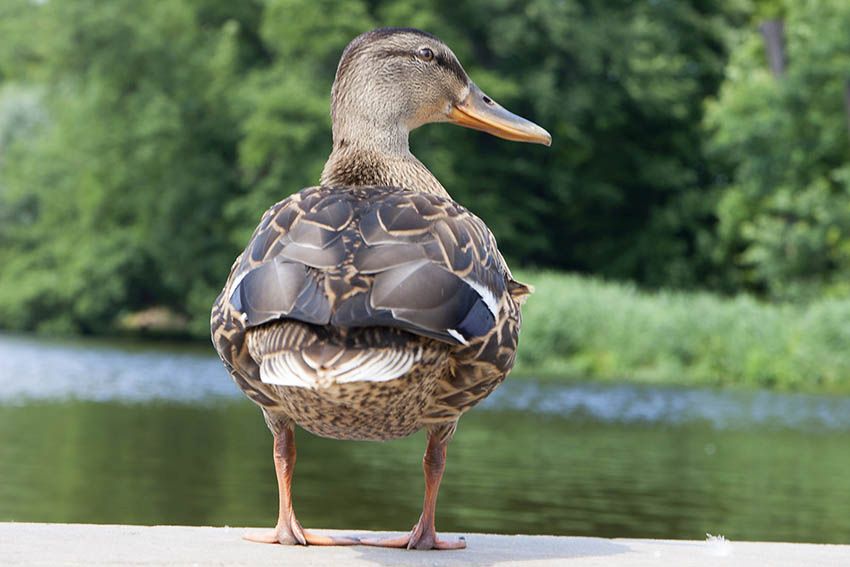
(479,112)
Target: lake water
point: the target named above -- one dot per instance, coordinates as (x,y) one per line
(144,434)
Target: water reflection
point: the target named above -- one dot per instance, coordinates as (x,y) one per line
(162,438)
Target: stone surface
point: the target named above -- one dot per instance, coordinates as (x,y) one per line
(91,545)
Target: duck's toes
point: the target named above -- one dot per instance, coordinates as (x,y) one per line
(418,538)
(264,536)
(317,539)
(296,535)
(436,543)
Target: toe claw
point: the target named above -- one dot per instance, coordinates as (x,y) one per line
(458,544)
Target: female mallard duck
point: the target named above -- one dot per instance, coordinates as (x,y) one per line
(374,305)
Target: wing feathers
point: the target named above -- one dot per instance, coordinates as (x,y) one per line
(280,288)
(355,257)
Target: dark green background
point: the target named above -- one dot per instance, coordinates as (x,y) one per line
(140,141)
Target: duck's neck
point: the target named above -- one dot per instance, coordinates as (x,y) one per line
(381,158)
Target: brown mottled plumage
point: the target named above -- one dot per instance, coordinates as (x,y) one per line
(373,305)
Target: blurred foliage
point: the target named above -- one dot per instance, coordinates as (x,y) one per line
(119,193)
(784,214)
(588,328)
(140,142)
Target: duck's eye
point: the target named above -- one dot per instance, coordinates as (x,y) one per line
(425,54)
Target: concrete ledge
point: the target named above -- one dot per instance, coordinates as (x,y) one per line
(78,545)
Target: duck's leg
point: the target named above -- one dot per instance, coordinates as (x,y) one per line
(288,530)
(424,534)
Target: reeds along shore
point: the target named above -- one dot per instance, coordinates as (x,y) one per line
(585,328)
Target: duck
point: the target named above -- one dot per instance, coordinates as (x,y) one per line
(373,305)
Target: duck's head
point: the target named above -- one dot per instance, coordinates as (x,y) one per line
(392,80)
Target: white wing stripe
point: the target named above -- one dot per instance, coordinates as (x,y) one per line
(487,295)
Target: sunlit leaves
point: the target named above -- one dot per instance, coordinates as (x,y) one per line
(784,215)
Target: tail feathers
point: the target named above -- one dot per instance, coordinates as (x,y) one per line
(325,365)
(519,291)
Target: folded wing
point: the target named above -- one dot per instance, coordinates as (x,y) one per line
(372,257)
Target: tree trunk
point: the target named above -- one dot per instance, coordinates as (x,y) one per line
(773,32)
(847,103)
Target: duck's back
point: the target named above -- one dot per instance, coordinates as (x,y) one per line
(368,312)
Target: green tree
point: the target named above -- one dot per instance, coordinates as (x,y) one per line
(783,215)
(284,103)
(126,183)
(620,85)
(166,130)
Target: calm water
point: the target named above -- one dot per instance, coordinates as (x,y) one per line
(125,433)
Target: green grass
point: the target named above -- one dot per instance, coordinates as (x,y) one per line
(579,327)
